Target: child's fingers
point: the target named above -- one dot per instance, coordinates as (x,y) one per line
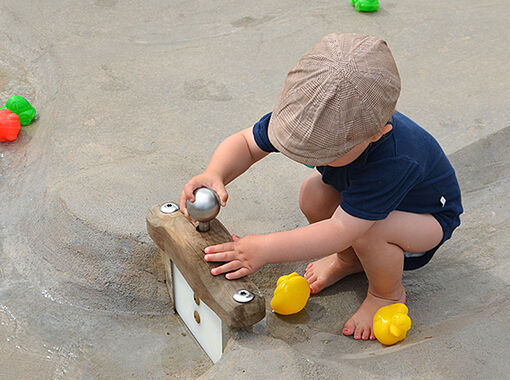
(238,273)
(222,194)
(182,204)
(188,190)
(235,237)
(220,257)
(220,248)
(228,267)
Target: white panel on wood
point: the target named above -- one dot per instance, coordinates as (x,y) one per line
(208,332)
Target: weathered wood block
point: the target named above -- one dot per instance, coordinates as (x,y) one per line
(183,247)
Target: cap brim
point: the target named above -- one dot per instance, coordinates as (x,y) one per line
(311,158)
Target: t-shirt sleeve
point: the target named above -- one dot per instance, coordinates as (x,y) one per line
(378,188)
(260,134)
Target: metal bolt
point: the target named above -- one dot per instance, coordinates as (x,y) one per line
(197,300)
(243,296)
(197,316)
(169,208)
(204,209)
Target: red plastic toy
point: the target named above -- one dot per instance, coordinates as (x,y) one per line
(9,125)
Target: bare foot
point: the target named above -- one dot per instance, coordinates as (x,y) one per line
(325,272)
(361,323)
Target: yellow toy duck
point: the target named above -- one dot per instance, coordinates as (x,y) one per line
(291,294)
(391,323)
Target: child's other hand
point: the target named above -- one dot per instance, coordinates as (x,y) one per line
(202,180)
(242,256)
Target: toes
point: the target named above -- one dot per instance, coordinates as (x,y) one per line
(349,327)
(316,285)
(312,277)
(358,332)
(314,288)
(366,333)
(312,281)
(308,273)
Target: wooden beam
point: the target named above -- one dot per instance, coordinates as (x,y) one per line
(178,238)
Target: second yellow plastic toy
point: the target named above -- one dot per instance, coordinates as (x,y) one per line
(391,323)
(291,294)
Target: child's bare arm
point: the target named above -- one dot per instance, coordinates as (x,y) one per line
(235,155)
(232,158)
(247,255)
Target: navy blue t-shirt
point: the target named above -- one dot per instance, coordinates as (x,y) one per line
(405,170)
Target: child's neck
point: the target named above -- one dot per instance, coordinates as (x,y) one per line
(355,152)
(351,155)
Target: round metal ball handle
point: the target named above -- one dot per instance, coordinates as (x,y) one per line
(204,209)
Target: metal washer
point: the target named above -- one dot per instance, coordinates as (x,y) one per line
(169,208)
(243,296)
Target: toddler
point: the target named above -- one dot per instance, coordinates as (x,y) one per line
(383,197)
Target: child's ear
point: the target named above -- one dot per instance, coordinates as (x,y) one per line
(388,127)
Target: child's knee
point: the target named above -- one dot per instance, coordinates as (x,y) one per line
(362,243)
(310,207)
(370,240)
(306,199)
(317,200)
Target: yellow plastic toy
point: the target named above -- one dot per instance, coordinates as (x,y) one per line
(391,323)
(291,294)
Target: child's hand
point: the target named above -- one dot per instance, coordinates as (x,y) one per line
(243,256)
(202,180)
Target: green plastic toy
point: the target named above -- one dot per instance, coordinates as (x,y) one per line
(21,107)
(366,5)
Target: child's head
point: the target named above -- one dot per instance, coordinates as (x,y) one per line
(339,94)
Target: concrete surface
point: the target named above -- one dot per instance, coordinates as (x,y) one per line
(133,98)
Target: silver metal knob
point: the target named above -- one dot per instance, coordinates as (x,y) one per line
(204,209)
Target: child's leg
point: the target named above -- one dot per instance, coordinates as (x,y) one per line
(318,201)
(381,252)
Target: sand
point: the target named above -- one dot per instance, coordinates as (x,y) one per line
(133,98)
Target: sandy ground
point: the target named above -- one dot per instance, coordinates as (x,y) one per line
(133,98)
